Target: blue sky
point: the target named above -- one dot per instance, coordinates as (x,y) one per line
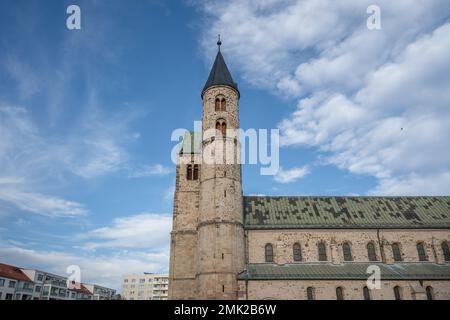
(86,115)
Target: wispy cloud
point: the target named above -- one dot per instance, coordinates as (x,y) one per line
(42,204)
(291,175)
(146,230)
(150,171)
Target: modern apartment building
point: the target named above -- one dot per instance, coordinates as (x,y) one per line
(31,284)
(14,284)
(99,292)
(147,286)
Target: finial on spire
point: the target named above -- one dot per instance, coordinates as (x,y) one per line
(219,43)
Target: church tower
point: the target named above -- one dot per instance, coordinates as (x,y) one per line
(213,201)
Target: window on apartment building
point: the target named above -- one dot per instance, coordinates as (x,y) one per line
(141,280)
(1,293)
(126,280)
(396,252)
(347,252)
(269,253)
(445,251)
(366,293)
(339,293)
(371,252)
(40,277)
(2,282)
(322,251)
(12,284)
(310,293)
(8,296)
(38,289)
(421,252)
(297,251)
(430,293)
(397,293)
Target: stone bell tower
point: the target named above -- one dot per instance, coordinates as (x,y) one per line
(220,248)
(207,239)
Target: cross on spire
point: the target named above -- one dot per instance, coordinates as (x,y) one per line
(219,43)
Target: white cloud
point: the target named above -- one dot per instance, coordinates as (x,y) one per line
(373,102)
(104,270)
(291,175)
(150,170)
(146,230)
(42,204)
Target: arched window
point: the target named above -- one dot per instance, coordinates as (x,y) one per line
(224,129)
(322,251)
(397,293)
(189,172)
(366,293)
(310,295)
(347,252)
(297,252)
(430,294)
(339,293)
(195,177)
(396,252)
(269,252)
(217,104)
(445,251)
(371,252)
(223,105)
(421,252)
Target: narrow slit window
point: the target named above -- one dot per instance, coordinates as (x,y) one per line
(445,251)
(217,105)
(347,252)
(224,129)
(366,293)
(297,252)
(195,176)
(322,252)
(430,295)
(310,293)
(397,293)
(421,252)
(223,105)
(189,172)
(269,253)
(339,293)
(371,252)
(396,252)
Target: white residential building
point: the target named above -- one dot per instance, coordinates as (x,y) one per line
(14,284)
(99,292)
(147,286)
(31,284)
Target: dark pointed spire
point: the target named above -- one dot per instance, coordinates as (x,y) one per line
(220,75)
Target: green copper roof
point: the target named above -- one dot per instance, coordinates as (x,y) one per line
(347,271)
(346,212)
(192,143)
